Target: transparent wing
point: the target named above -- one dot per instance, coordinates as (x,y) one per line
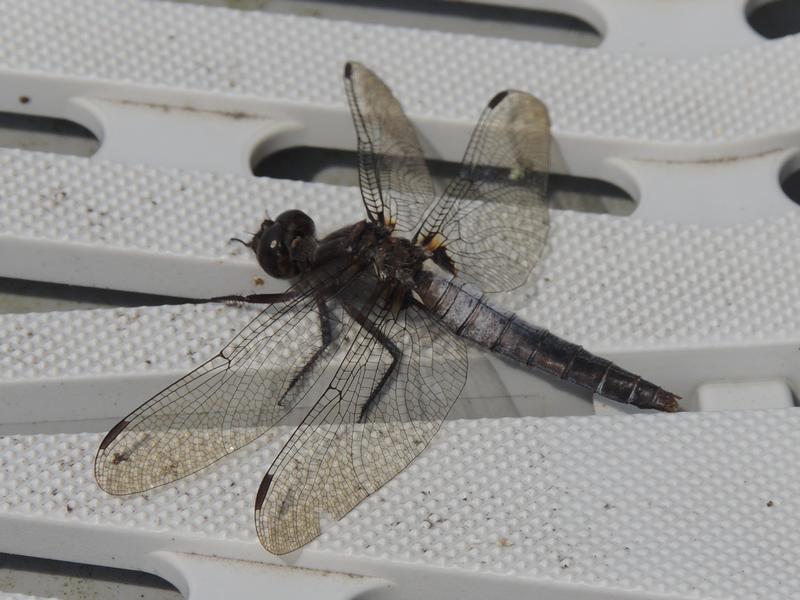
(492,219)
(395,183)
(349,445)
(222,405)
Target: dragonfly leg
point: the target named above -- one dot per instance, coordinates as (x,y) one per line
(396,353)
(326,334)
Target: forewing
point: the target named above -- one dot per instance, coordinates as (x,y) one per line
(338,457)
(492,219)
(222,405)
(395,183)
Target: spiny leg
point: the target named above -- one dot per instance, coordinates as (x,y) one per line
(396,353)
(326,334)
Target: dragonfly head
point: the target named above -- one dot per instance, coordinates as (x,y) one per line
(286,246)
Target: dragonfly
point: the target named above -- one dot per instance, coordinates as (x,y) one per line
(373,332)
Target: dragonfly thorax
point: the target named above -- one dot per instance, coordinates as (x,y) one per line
(393,258)
(397,259)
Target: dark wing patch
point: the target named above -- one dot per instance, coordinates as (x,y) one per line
(492,219)
(395,183)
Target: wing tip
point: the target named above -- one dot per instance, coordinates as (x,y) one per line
(100,459)
(275,543)
(348,69)
(106,483)
(110,490)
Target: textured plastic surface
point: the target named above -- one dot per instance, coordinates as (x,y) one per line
(182,221)
(700,284)
(50,345)
(285,61)
(608,281)
(681,303)
(695,505)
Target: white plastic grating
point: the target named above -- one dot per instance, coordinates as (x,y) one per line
(611,282)
(714,99)
(125,340)
(162,211)
(690,505)
(695,505)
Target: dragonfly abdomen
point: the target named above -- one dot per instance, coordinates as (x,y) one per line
(539,349)
(467,312)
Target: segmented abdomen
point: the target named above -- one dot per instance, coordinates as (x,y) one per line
(465,310)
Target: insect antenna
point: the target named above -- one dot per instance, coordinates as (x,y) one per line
(242,242)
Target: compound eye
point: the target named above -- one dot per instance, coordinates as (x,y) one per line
(272,254)
(296,224)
